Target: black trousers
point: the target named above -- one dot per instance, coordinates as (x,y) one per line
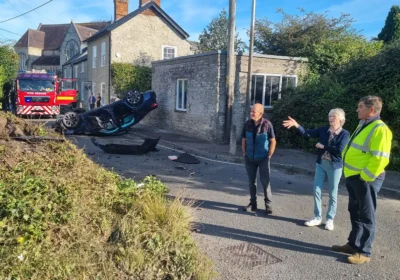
(264,170)
(362,208)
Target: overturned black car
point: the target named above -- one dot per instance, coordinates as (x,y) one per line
(110,119)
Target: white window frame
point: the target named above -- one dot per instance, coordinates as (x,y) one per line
(102,91)
(170,47)
(103,54)
(83,67)
(264,86)
(180,107)
(94,57)
(94,88)
(76,71)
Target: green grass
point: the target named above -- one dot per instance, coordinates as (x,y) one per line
(64,217)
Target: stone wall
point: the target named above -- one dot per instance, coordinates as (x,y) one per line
(204,116)
(141,40)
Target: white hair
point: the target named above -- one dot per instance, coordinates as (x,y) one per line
(339,113)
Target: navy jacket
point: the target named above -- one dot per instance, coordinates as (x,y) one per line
(336,146)
(257,139)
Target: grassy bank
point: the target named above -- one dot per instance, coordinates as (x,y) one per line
(64,217)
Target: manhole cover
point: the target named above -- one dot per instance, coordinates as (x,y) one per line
(248,255)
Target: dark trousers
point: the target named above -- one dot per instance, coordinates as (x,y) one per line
(264,170)
(91,106)
(362,207)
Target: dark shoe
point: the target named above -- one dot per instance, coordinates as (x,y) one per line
(268,209)
(346,248)
(250,208)
(357,258)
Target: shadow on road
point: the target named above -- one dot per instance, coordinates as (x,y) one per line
(270,240)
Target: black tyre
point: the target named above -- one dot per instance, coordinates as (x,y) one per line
(71,120)
(134,97)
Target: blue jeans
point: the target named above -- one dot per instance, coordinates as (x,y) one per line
(323,171)
(362,207)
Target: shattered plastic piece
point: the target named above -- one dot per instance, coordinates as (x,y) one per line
(180,167)
(147,146)
(172,157)
(187,158)
(191,174)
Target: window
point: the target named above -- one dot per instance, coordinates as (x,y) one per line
(169,52)
(103,91)
(181,95)
(94,57)
(103,54)
(82,67)
(268,88)
(65,73)
(82,92)
(94,88)
(71,49)
(22,61)
(76,71)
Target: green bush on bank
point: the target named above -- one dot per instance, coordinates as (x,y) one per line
(64,217)
(310,103)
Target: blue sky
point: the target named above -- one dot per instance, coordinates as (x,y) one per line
(192,15)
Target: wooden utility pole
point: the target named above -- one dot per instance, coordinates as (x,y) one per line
(230,130)
(249,71)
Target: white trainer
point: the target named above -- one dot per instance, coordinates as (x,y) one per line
(329,225)
(313,222)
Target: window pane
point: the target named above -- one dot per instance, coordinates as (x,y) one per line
(268,90)
(275,88)
(179,94)
(288,83)
(185,86)
(257,89)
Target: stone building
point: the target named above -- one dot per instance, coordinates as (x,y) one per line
(139,37)
(51,45)
(192,94)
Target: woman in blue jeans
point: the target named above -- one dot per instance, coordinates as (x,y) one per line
(332,140)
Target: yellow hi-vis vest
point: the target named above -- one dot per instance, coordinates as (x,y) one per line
(367,154)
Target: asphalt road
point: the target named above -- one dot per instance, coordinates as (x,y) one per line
(248,246)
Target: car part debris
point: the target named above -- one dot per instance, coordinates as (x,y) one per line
(187,158)
(180,167)
(172,157)
(147,146)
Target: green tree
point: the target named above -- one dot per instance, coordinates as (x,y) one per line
(391,31)
(328,43)
(8,65)
(126,76)
(215,36)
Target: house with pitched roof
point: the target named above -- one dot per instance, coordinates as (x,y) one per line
(139,37)
(46,47)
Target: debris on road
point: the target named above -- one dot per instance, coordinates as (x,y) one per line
(187,158)
(147,146)
(180,167)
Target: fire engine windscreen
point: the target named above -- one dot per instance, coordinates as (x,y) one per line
(36,85)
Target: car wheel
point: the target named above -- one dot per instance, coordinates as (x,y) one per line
(134,97)
(71,120)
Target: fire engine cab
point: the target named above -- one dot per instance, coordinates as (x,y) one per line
(42,93)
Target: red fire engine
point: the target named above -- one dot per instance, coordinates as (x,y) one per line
(41,93)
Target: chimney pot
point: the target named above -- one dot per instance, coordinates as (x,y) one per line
(144,2)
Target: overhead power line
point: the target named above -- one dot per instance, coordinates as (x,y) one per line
(10,32)
(26,12)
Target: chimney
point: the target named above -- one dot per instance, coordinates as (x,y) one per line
(120,9)
(144,2)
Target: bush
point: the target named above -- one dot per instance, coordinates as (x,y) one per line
(126,76)
(64,217)
(311,103)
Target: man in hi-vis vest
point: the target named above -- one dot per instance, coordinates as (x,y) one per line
(364,160)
